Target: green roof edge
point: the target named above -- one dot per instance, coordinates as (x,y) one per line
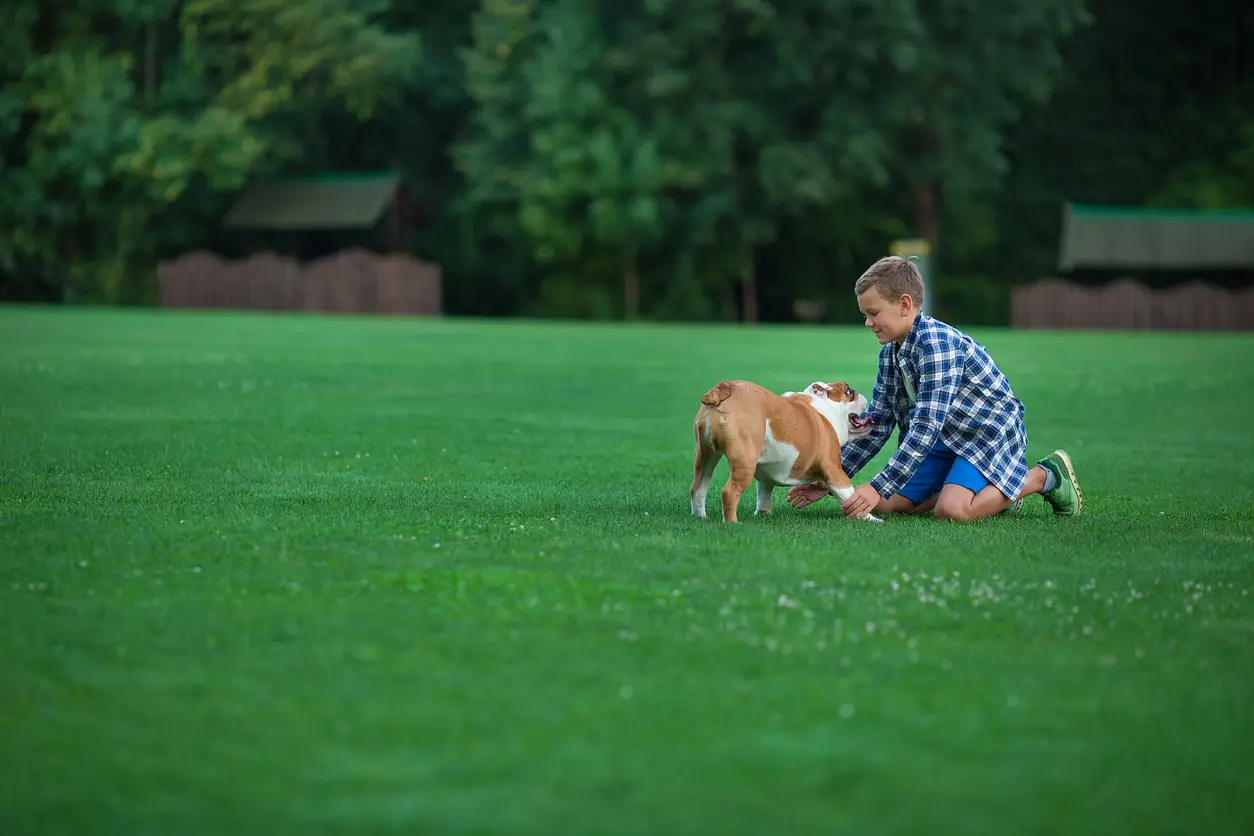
(1180,214)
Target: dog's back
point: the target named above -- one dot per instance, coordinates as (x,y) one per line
(710,425)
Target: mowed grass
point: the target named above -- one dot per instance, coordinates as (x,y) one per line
(298,574)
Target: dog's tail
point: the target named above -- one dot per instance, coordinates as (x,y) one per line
(718,394)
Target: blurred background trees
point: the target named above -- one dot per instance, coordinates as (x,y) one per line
(663,159)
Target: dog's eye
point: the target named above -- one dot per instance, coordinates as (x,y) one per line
(848,393)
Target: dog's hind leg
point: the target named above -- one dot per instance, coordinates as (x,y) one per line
(704,460)
(742,469)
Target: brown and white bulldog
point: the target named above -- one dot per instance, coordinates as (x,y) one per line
(774,440)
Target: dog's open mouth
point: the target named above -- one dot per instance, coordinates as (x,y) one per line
(857,422)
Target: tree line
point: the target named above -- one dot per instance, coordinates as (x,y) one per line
(669,159)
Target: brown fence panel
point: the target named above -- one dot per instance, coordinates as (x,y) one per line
(1129,305)
(351,281)
(186,282)
(263,281)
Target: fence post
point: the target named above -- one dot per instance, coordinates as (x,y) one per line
(918,250)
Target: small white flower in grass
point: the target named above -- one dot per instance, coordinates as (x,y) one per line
(846,711)
(786,602)
(870,626)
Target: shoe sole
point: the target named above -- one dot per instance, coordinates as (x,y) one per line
(1066,462)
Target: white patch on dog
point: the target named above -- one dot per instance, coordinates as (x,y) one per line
(837,413)
(776,461)
(844,493)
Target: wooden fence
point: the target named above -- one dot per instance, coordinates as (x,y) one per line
(352,281)
(1127,304)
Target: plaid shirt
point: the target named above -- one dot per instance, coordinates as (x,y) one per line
(962,398)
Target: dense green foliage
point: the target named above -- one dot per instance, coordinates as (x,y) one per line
(668,159)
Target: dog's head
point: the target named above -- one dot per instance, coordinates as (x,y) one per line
(848,399)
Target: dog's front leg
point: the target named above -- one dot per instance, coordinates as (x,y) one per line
(844,494)
(766,497)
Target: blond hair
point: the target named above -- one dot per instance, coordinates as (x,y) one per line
(892,276)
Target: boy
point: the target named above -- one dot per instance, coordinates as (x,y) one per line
(963,445)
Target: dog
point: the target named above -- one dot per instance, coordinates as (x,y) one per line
(774,440)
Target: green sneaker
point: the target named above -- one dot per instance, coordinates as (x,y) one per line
(1012,509)
(1065,499)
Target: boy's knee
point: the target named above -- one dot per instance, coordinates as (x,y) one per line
(953,511)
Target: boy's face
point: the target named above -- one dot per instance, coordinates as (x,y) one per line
(889,320)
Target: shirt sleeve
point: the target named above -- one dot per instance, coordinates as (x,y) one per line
(940,372)
(855,454)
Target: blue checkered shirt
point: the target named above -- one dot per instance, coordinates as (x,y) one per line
(961,398)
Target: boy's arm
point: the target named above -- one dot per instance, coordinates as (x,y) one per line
(940,374)
(855,454)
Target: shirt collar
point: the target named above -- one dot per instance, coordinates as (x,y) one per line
(913,337)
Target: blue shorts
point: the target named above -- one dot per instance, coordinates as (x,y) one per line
(942,466)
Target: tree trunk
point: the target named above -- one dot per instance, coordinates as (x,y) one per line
(926,195)
(150,63)
(926,206)
(631,286)
(749,289)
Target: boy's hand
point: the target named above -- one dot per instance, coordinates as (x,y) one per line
(802,495)
(863,501)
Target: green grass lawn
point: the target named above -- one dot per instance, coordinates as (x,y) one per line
(301,574)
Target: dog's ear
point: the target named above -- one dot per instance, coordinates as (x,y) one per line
(818,389)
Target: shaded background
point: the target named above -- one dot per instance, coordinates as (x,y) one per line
(697,160)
